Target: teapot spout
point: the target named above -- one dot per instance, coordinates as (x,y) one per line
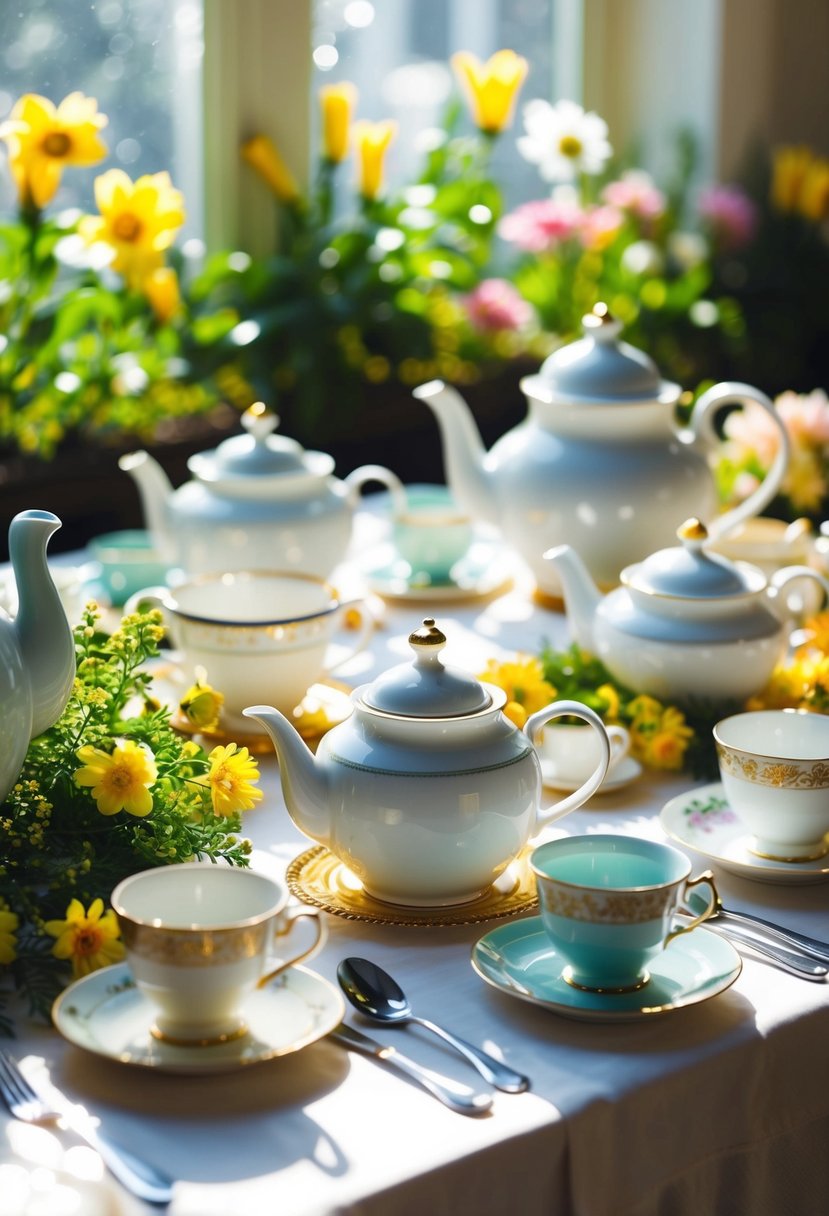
(303,781)
(581,595)
(155,489)
(464,454)
(43,632)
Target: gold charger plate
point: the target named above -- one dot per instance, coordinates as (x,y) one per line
(319,878)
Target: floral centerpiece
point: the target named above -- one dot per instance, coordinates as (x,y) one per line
(108,790)
(98,332)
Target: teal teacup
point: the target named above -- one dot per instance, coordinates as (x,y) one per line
(609,903)
(430,532)
(126,563)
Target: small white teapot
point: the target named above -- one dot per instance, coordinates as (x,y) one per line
(258,501)
(686,623)
(427,792)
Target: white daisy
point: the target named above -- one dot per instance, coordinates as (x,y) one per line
(563,140)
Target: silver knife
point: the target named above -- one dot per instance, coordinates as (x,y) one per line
(456,1097)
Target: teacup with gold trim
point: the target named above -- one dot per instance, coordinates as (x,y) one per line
(608,904)
(774,765)
(200,937)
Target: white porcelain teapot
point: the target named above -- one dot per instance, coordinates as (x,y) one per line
(599,462)
(427,791)
(686,624)
(37,650)
(258,501)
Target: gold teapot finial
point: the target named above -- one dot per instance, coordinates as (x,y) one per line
(427,635)
(692,529)
(259,420)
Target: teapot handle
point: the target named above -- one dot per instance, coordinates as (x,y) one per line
(732,392)
(532,729)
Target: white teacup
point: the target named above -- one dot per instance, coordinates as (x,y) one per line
(774,765)
(260,636)
(571,753)
(608,905)
(199,939)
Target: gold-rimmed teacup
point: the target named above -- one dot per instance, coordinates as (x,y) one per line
(199,938)
(774,765)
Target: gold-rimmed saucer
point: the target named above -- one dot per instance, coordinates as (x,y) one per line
(319,878)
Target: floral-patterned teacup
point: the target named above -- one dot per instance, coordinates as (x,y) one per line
(774,765)
(199,938)
(608,905)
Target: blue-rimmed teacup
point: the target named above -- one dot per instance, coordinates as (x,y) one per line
(608,904)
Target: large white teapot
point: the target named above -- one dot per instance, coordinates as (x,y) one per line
(427,792)
(259,501)
(37,650)
(686,624)
(599,462)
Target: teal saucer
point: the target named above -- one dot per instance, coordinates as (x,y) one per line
(484,570)
(519,959)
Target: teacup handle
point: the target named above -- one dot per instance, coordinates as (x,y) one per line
(292,915)
(378,472)
(705,877)
(792,574)
(533,727)
(619,743)
(703,431)
(366,626)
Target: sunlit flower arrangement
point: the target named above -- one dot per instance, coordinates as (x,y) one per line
(110,789)
(96,333)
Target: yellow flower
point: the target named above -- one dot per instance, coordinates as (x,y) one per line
(612,701)
(119,781)
(787,687)
(337,102)
(372,141)
(162,290)
(139,220)
(789,166)
(9,923)
(523,682)
(814,193)
(261,154)
(516,713)
(232,774)
(645,710)
(491,87)
(817,630)
(43,140)
(89,939)
(202,705)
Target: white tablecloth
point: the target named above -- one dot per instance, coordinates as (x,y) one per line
(719,1108)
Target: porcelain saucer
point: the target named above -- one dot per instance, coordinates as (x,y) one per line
(701,819)
(484,570)
(623,774)
(105,1013)
(519,959)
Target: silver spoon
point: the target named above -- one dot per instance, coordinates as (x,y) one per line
(771,933)
(376,995)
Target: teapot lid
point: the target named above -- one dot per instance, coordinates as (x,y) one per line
(258,453)
(599,368)
(689,571)
(427,688)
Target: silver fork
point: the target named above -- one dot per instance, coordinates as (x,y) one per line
(142,1179)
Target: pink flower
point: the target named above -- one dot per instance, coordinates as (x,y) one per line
(731,215)
(806,417)
(539,226)
(496,305)
(636,193)
(599,226)
(752,430)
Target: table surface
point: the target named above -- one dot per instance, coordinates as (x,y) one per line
(722,1107)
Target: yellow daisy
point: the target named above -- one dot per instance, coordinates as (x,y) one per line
(89,939)
(491,87)
(523,681)
(139,221)
(44,139)
(119,781)
(233,772)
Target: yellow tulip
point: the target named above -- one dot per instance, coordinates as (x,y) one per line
(491,87)
(814,191)
(372,141)
(162,290)
(789,168)
(44,139)
(337,102)
(262,155)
